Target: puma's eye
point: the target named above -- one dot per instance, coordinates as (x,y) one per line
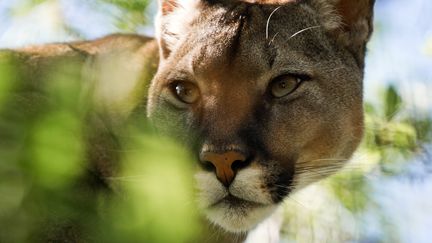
(186,92)
(284,85)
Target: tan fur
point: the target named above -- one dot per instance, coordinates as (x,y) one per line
(231,50)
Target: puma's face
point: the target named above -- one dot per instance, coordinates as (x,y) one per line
(266,97)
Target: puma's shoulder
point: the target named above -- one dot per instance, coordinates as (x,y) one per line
(119,66)
(111,43)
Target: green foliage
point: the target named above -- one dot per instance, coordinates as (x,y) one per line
(56,140)
(351,189)
(7,77)
(133,13)
(24,7)
(423,128)
(157,179)
(393,133)
(394,136)
(131,5)
(128,15)
(50,146)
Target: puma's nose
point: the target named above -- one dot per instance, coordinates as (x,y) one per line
(226,164)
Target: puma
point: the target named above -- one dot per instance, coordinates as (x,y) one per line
(267,94)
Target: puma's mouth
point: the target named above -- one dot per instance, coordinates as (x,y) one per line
(235,202)
(241,206)
(238,215)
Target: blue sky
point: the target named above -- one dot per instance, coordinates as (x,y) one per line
(398,52)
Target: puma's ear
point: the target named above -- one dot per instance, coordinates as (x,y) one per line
(168,6)
(172,22)
(350,21)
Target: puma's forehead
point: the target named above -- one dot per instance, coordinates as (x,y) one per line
(244,40)
(269,1)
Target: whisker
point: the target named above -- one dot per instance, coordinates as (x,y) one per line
(271,41)
(330,169)
(313,174)
(296,201)
(268,21)
(303,30)
(281,186)
(328,159)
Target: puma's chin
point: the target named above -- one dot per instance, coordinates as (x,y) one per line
(237,215)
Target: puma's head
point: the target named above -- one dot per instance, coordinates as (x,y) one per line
(267,95)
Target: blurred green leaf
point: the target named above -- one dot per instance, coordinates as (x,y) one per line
(133,13)
(8,77)
(351,189)
(157,179)
(24,7)
(423,127)
(401,135)
(131,5)
(57,149)
(392,102)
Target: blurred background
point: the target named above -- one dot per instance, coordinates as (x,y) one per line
(383,195)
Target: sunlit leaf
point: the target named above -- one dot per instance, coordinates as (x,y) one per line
(401,135)
(133,13)
(351,189)
(57,149)
(392,102)
(132,5)
(423,127)
(24,7)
